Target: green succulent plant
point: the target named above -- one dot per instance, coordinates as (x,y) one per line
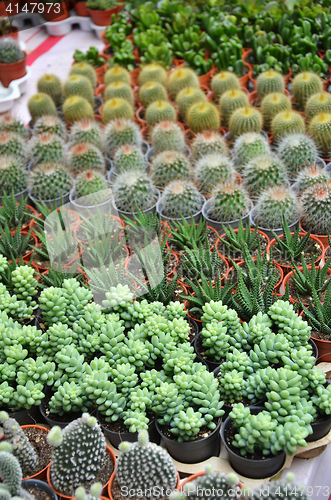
(120,133)
(208,142)
(264,172)
(180,198)
(287,122)
(249,146)
(170,166)
(49,180)
(167,136)
(297,151)
(41,104)
(51,85)
(243,120)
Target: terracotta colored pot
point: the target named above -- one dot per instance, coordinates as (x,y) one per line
(286,268)
(103,38)
(13,6)
(27,256)
(12,34)
(99,91)
(324,350)
(110,484)
(103,53)
(138,118)
(193,477)
(104,489)
(205,79)
(51,12)
(80,8)
(102,17)
(12,71)
(134,76)
(236,231)
(41,474)
(323,238)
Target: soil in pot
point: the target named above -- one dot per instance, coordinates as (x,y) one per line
(232,254)
(38,493)
(61,420)
(121,431)
(312,251)
(233,276)
(212,237)
(37,438)
(304,298)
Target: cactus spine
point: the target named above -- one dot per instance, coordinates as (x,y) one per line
(41,105)
(152,91)
(12,144)
(89,185)
(167,136)
(320,131)
(223,81)
(52,86)
(275,203)
(169,166)
(180,198)
(119,90)
(203,116)
(297,151)
(84,69)
(310,176)
(159,111)
(152,73)
(245,120)
(230,101)
(304,86)
(212,170)
(272,104)
(287,122)
(77,108)
(116,108)
(9,123)
(187,97)
(46,147)
(117,74)
(268,82)
(49,124)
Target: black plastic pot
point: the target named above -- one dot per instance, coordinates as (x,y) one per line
(320,429)
(211,364)
(194,326)
(314,346)
(40,485)
(192,452)
(116,438)
(52,421)
(25,417)
(246,467)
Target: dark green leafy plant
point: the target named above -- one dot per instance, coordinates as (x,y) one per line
(200,261)
(318,314)
(185,234)
(207,291)
(235,240)
(290,246)
(14,213)
(156,290)
(91,56)
(140,223)
(314,278)
(14,245)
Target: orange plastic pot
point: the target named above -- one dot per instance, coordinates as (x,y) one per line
(301,234)
(138,117)
(103,53)
(284,283)
(51,12)
(323,238)
(80,8)
(324,350)
(99,91)
(252,230)
(103,38)
(41,474)
(102,17)
(12,71)
(193,477)
(27,256)
(134,76)
(112,477)
(104,489)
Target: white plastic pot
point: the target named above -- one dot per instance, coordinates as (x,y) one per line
(218,225)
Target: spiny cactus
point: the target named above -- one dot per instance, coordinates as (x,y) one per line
(11,475)
(129,158)
(46,147)
(200,488)
(268,82)
(230,202)
(10,51)
(310,176)
(320,131)
(152,91)
(117,74)
(213,169)
(272,104)
(86,131)
(119,133)
(167,136)
(187,97)
(230,101)
(203,116)
(249,146)
(159,111)
(49,180)
(279,489)
(79,85)
(180,78)
(51,85)
(305,85)
(82,156)
(85,69)
(274,204)
(77,108)
(12,144)
(13,175)
(318,103)
(114,109)
(88,185)
(297,151)
(223,81)
(152,73)
(245,120)
(9,123)
(147,465)
(134,190)
(208,142)
(78,453)
(22,448)
(264,172)
(287,122)
(41,105)
(169,166)
(119,89)
(316,205)
(180,198)
(49,124)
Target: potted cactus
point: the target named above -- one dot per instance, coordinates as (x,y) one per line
(143,465)
(50,182)
(29,446)
(12,61)
(180,199)
(91,192)
(79,455)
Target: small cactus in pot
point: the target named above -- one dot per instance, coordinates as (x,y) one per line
(320,131)
(9,123)
(187,97)
(86,131)
(203,116)
(82,156)
(91,188)
(287,122)
(50,124)
(133,190)
(318,103)
(169,166)
(117,74)
(310,176)
(230,101)
(249,146)
(13,175)
(49,180)
(272,104)
(167,136)
(223,81)
(116,108)
(77,108)
(152,91)
(180,198)
(159,111)
(305,85)
(212,170)
(274,204)
(264,172)
(51,85)
(41,105)
(297,151)
(229,202)
(181,78)
(46,147)
(79,85)
(129,158)
(119,90)
(246,119)
(84,69)
(152,73)
(208,142)
(119,133)
(316,205)
(12,144)
(268,82)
